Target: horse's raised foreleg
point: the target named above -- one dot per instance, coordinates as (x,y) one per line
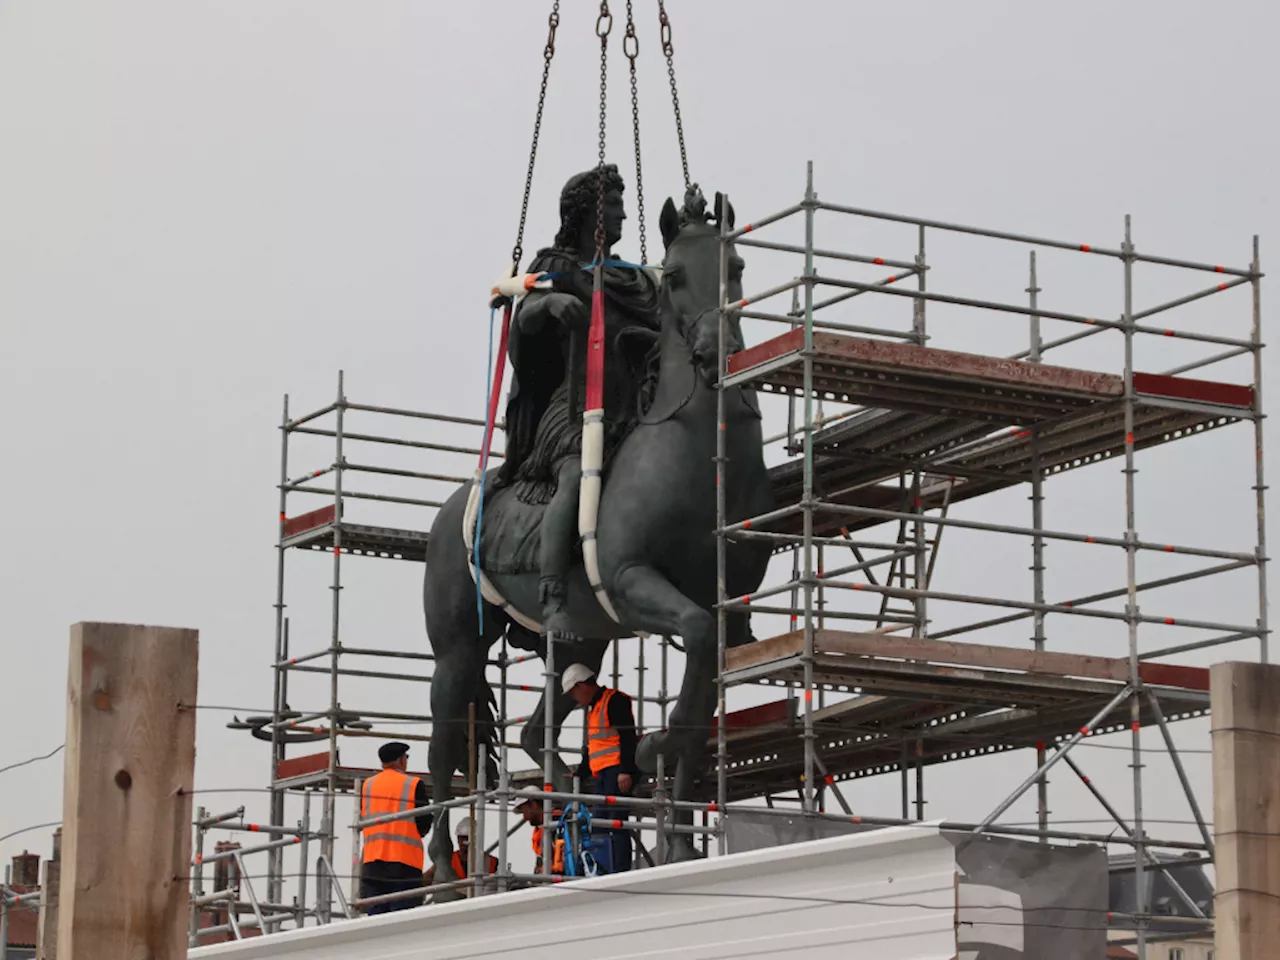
(646,600)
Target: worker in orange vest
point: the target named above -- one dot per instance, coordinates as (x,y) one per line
(462,857)
(610,753)
(531,810)
(393,851)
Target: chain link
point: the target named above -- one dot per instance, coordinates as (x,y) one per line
(631,47)
(549,51)
(604,24)
(668,51)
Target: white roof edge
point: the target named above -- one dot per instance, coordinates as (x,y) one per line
(870,845)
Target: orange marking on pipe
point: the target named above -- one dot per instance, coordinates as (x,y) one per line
(1169,620)
(1135,726)
(1222,286)
(879,261)
(611,800)
(1128,438)
(1084,247)
(713,808)
(748,228)
(746,525)
(1218,270)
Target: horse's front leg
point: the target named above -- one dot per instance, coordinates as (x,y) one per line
(646,600)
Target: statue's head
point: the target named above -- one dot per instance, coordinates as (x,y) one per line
(578,209)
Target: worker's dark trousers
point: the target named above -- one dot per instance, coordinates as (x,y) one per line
(379,877)
(621,839)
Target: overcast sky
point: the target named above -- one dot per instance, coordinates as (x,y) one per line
(205,206)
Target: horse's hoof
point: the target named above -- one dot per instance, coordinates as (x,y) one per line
(647,750)
(682,850)
(447,896)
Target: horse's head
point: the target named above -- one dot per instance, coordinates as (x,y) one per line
(690,296)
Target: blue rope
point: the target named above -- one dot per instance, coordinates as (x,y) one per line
(552,274)
(484,470)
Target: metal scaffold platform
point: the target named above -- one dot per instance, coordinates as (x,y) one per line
(886,435)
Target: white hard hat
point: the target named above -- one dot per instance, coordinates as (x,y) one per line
(575,674)
(464,828)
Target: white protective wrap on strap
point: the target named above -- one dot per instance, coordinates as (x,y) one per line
(589,503)
(487,589)
(589,491)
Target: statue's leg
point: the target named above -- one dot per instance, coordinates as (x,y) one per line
(559,529)
(588,652)
(646,600)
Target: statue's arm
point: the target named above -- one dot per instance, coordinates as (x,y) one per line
(541,308)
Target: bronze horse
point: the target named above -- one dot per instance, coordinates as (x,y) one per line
(656,536)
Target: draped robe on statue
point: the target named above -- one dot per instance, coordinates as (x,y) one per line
(541,431)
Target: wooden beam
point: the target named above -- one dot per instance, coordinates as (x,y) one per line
(130,759)
(1245,700)
(847,643)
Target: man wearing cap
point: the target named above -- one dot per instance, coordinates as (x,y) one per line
(610,753)
(393,850)
(462,856)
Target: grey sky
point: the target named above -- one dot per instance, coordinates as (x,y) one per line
(207,205)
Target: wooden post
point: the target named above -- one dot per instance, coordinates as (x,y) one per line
(47,929)
(1246,808)
(126,822)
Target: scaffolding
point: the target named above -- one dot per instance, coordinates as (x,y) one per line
(948,426)
(920,430)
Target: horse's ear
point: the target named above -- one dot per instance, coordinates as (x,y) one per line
(669,222)
(724,209)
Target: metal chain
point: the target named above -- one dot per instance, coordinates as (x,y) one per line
(549,51)
(668,51)
(604,24)
(631,47)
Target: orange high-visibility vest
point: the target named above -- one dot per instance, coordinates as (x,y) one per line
(604,746)
(396,841)
(460,865)
(557,851)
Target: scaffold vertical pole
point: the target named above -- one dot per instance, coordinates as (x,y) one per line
(1131,606)
(810,208)
(1037,541)
(920,559)
(548,749)
(504,784)
(197,882)
(640,642)
(617,679)
(304,855)
(1260,486)
(329,823)
(662,697)
(275,858)
(722,594)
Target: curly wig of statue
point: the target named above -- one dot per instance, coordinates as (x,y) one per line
(578,201)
